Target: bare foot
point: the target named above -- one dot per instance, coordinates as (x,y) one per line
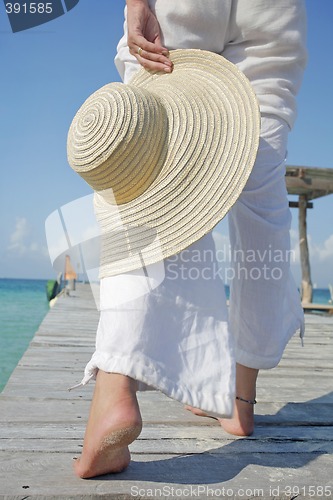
(242,421)
(114,422)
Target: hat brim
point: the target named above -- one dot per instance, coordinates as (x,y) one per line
(214,127)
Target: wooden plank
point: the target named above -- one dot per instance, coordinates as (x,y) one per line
(302,377)
(160,410)
(42,424)
(55,384)
(60,432)
(257,473)
(181,446)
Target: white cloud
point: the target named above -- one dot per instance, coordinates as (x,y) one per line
(326,251)
(21,242)
(18,235)
(294,245)
(318,252)
(321,259)
(222,245)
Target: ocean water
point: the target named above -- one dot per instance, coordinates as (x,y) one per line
(23,305)
(321,296)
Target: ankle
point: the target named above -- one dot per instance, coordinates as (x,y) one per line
(248,401)
(246,379)
(117,382)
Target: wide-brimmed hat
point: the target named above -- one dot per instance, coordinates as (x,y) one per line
(167,155)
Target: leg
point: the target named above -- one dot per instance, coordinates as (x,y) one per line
(264,311)
(242,421)
(114,422)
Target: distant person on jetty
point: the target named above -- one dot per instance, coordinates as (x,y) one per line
(176,336)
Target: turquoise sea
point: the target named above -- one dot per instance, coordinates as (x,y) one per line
(23,305)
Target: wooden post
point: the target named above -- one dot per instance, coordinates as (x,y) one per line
(306,288)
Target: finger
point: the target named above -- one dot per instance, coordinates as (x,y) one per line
(151,56)
(140,52)
(147,50)
(139,41)
(152,61)
(154,65)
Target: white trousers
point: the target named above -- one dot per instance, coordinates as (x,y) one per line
(171,331)
(265,308)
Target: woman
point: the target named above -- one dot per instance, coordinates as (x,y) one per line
(266,40)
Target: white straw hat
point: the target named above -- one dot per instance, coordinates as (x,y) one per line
(167,155)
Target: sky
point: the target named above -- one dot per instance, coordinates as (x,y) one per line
(46,74)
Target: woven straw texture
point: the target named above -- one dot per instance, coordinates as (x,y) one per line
(168,155)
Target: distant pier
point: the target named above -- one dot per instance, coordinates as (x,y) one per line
(178,455)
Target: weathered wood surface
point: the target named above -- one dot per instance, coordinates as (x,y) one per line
(177,455)
(312,306)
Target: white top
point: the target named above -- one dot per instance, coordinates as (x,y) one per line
(265,39)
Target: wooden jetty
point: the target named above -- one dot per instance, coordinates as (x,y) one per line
(312,306)
(177,455)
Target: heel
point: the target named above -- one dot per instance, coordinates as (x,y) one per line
(121,437)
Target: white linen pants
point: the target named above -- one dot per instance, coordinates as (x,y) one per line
(168,327)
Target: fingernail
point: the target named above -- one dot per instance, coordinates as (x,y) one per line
(167,69)
(168,63)
(165,53)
